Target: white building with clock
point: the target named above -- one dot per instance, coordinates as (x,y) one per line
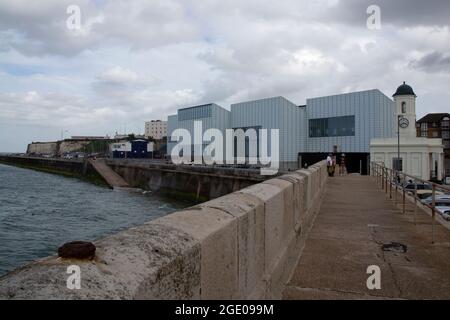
(420,157)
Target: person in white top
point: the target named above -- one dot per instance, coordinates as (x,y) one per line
(330,165)
(329,161)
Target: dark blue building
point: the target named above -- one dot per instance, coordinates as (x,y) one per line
(134,149)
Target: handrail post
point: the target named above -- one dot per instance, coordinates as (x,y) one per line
(376,173)
(379,175)
(382,178)
(396,186)
(386,180)
(415,202)
(404,196)
(390,184)
(433,213)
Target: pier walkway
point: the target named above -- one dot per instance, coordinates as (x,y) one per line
(112,178)
(355,219)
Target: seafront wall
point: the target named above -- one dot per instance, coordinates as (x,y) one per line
(193,183)
(243,245)
(72,168)
(196,183)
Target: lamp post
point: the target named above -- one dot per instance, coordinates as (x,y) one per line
(398,136)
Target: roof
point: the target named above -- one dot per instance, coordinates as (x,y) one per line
(433,117)
(404,90)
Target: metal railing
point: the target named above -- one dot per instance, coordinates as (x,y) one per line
(394,182)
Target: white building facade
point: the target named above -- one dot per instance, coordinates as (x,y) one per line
(156,129)
(419,157)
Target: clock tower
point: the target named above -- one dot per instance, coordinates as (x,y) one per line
(405,111)
(415,156)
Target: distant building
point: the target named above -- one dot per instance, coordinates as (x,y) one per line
(126,136)
(436,125)
(89,138)
(156,129)
(418,156)
(134,149)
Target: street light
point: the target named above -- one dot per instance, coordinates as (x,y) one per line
(397,165)
(403,123)
(398,146)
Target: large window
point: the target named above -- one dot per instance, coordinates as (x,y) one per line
(332,127)
(193,113)
(445,123)
(424,130)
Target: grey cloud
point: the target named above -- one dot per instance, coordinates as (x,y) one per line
(211,51)
(433,62)
(40,26)
(395,12)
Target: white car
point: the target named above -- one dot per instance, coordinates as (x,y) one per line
(446,214)
(442,197)
(444,211)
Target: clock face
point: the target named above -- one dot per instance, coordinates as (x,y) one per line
(404,123)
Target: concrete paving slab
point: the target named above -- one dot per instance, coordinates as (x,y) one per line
(354,221)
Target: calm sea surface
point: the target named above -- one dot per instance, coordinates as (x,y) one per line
(40,211)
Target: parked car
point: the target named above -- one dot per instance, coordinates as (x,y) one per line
(424,193)
(442,209)
(442,206)
(420,186)
(446,181)
(446,214)
(442,197)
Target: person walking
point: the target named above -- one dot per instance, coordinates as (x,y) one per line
(330,165)
(342,167)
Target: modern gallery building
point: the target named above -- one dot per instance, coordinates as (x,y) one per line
(339,124)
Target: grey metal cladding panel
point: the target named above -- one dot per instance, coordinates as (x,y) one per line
(383,116)
(363,105)
(271,113)
(172,123)
(220,118)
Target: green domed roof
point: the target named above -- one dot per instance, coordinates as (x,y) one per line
(404,90)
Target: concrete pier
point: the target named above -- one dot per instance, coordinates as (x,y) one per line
(354,221)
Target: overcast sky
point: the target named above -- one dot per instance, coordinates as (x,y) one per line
(133,61)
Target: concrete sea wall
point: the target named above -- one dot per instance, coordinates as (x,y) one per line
(243,245)
(195,183)
(72,168)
